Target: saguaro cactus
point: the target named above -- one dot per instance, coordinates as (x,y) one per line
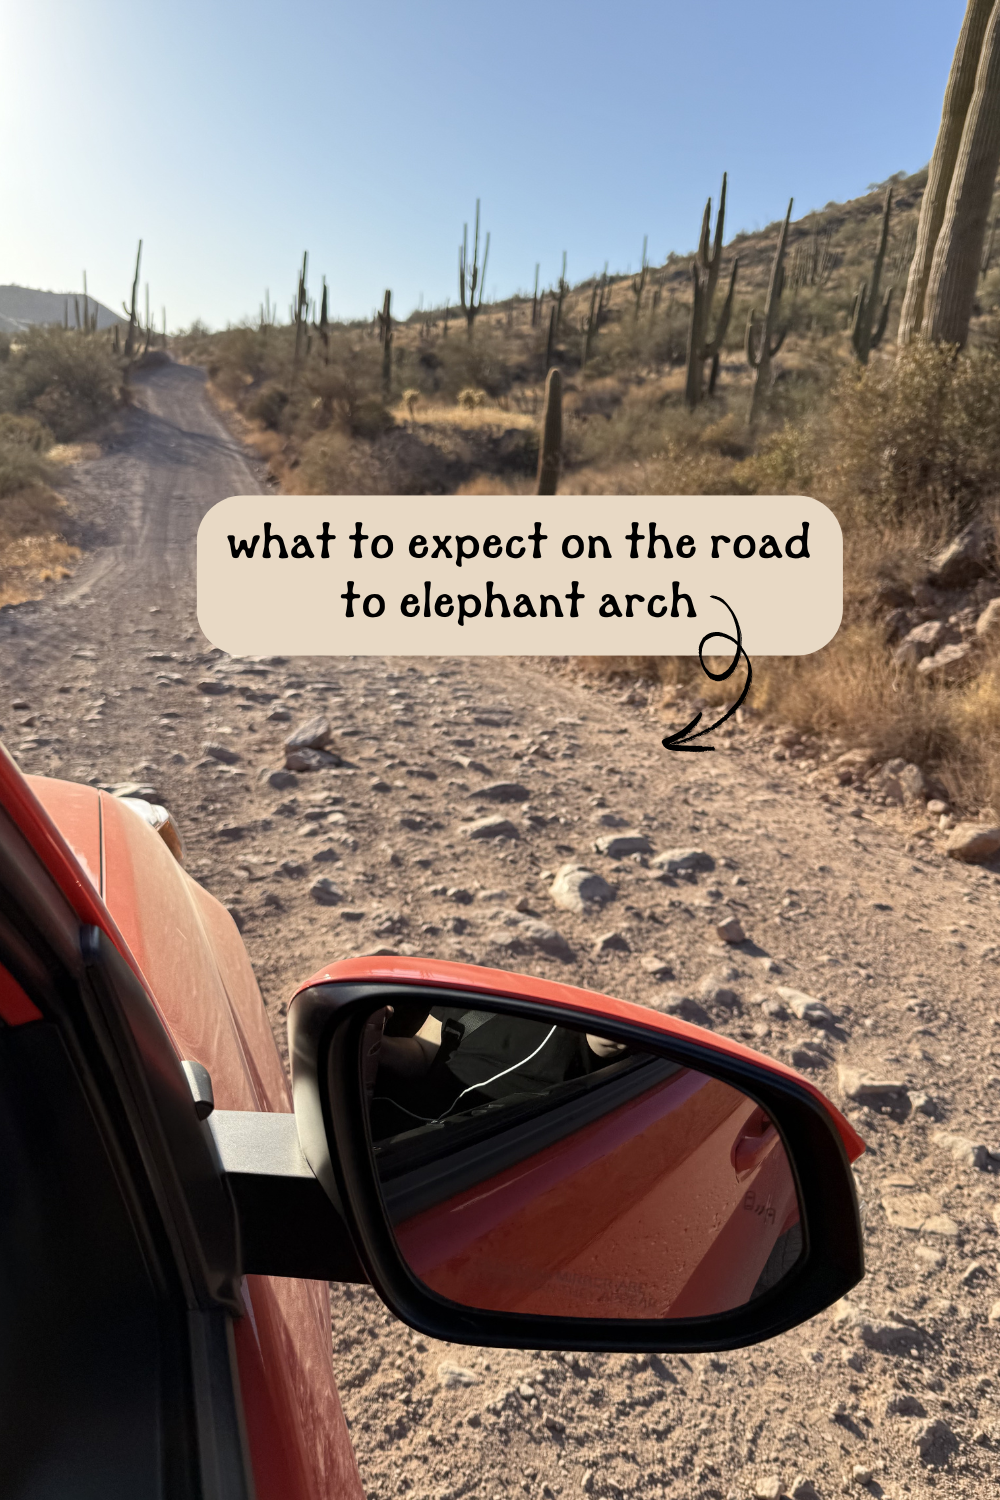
(299,308)
(590,327)
(761,348)
(534,296)
(957,98)
(954,274)
(133,320)
(385,338)
(472,276)
(550,342)
(704,278)
(866,332)
(639,282)
(561,290)
(324,326)
(550,448)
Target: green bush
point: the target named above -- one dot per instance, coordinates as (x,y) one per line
(68,382)
(23,445)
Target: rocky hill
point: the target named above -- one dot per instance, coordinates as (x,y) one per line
(21,306)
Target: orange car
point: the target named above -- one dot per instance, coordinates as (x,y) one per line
(507,1161)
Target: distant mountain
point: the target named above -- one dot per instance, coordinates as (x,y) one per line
(21,306)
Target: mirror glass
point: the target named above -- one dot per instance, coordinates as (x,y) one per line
(534,1168)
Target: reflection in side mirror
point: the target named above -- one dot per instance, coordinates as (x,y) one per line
(527,1167)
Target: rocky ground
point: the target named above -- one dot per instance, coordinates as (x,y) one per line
(842,896)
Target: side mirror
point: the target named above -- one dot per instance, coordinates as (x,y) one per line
(521,1163)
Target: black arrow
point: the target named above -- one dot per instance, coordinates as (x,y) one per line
(678,741)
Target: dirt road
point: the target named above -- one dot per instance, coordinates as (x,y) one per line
(900,1386)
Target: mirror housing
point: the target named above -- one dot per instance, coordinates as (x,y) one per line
(326,1022)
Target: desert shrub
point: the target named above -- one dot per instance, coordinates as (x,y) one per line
(23,445)
(267,404)
(67,382)
(916,433)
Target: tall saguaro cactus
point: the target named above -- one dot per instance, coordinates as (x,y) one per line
(562,289)
(471,276)
(639,282)
(385,338)
(957,99)
(550,448)
(954,273)
(324,325)
(867,331)
(133,318)
(534,296)
(299,309)
(590,327)
(761,348)
(704,279)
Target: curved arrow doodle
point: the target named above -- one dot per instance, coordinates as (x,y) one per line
(680,740)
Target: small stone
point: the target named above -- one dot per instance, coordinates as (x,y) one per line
(731,931)
(460,895)
(683,861)
(281,781)
(621,845)
(969,1153)
(972,842)
(502,791)
(313,735)
(973,1272)
(682,1006)
(714,993)
(922,1104)
(278,715)
(611,942)
(325,892)
(942,1225)
(577,889)
(450,1375)
(899,781)
(936,1442)
(936,808)
(310,760)
(380,786)
(587,1482)
(774,1008)
(769,1488)
(492,828)
(657,968)
(806,1008)
(860,1475)
(547,939)
(526,1392)
(903,1404)
(292,869)
(325,856)
(808,1057)
(864,1089)
(221,753)
(910,1210)
(213,688)
(609,820)
(995,1312)
(802,1488)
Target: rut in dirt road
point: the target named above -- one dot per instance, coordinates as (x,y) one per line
(114,683)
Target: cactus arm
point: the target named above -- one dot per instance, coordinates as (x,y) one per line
(706,225)
(713,348)
(779,340)
(858,310)
(463,254)
(750,345)
(482,274)
(720,221)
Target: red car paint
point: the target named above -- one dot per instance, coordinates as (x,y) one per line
(433,971)
(117,874)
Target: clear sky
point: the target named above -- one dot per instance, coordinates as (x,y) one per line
(232,136)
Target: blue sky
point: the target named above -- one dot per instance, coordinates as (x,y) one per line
(231,137)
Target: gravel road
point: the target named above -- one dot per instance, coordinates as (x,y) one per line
(109,680)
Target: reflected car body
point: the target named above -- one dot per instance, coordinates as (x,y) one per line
(185,946)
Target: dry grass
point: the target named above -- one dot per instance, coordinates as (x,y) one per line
(33,550)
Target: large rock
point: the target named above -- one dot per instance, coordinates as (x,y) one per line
(223,753)
(899,781)
(972,842)
(873,1092)
(502,791)
(936,1442)
(988,624)
(923,640)
(313,735)
(683,861)
(575,888)
(306,759)
(965,559)
(948,664)
(969,1153)
(620,845)
(806,1008)
(492,828)
(910,1210)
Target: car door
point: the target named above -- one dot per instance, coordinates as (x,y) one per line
(229,1379)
